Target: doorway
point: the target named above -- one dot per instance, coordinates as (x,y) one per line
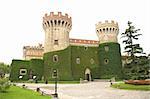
(87,74)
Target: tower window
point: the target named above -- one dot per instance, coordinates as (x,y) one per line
(48,23)
(59,22)
(106,61)
(78,60)
(100,30)
(107,29)
(104,29)
(62,22)
(55,58)
(106,48)
(55,42)
(55,22)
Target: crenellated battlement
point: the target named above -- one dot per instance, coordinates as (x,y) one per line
(107,24)
(39,47)
(107,31)
(54,20)
(111,27)
(57,28)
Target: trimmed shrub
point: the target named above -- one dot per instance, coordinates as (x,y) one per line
(4,84)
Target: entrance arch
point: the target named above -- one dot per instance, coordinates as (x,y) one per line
(88,74)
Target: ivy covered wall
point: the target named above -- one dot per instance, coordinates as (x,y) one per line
(67,66)
(62,63)
(16,65)
(110,60)
(71,63)
(34,65)
(37,66)
(88,59)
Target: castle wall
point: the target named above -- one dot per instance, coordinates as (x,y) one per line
(60,60)
(110,60)
(27,69)
(72,63)
(82,58)
(33,52)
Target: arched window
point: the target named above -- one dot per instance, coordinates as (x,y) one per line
(58,22)
(66,24)
(78,60)
(113,29)
(48,23)
(104,29)
(62,23)
(51,23)
(110,29)
(55,22)
(55,58)
(107,29)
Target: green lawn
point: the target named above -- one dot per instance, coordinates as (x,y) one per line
(131,87)
(19,93)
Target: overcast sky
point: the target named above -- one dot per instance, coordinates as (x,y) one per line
(21,21)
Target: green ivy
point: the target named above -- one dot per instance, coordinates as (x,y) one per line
(113,67)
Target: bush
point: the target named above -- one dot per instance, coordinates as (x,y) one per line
(4,84)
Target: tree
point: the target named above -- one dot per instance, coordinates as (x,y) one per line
(4,82)
(4,69)
(138,66)
(130,35)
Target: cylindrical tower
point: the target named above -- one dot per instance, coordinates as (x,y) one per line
(57,28)
(109,50)
(107,32)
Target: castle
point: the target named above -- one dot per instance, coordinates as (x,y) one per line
(73,59)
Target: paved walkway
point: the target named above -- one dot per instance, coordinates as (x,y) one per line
(92,90)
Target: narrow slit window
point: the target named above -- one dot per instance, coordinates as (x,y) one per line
(55,42)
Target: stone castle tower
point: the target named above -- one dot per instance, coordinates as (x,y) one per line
(57,28)
(109,49)
(107,32)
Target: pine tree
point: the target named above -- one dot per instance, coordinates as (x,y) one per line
(138,66)
(130,35)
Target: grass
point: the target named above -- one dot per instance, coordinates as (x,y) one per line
(18,93)
(131,87)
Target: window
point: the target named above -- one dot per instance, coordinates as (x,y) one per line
(86,47)
(23,71)
(78,60)
(106,48)
(92,61)
(55,58)
(106,61)
(55,42)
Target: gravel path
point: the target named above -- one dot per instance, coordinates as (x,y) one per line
(92,90)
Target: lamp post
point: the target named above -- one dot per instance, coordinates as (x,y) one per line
(55,76)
